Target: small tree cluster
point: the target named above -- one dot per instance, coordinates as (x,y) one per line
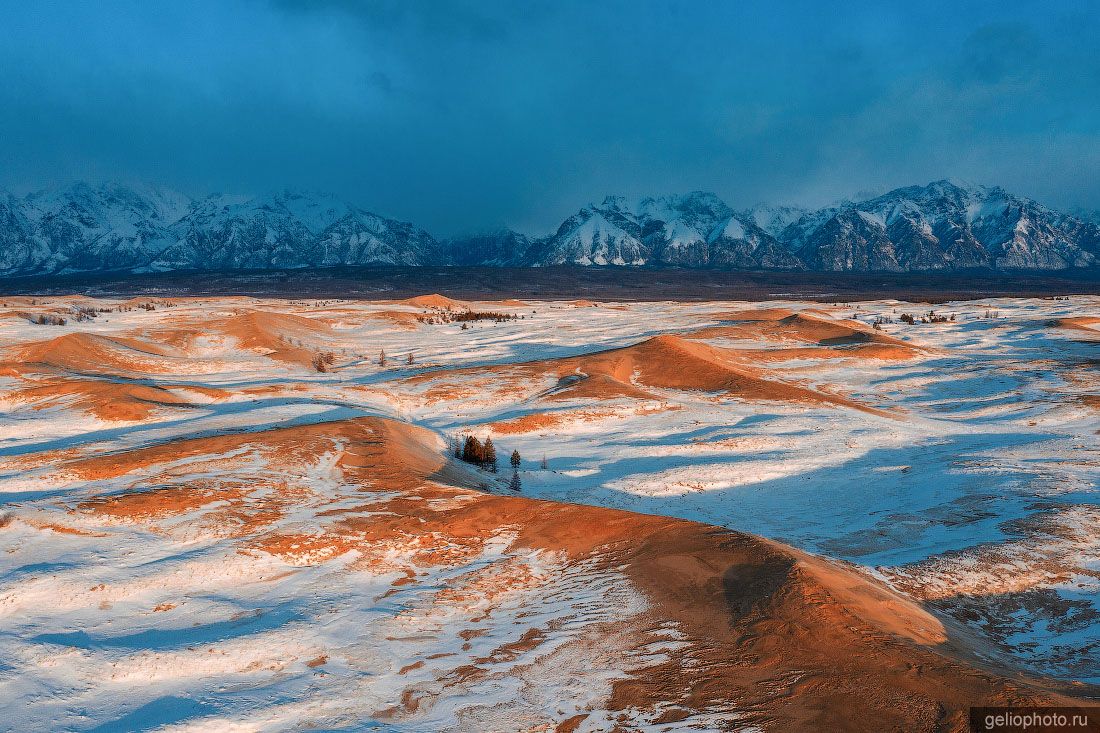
(439,317)
(480,454)
(321,362)
(929,317)
(45,319)
(84,314)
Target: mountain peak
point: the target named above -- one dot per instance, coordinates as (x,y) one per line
(946,224)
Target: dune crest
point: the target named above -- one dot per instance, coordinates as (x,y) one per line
(281,336)
(89,353)
(436,301)
(673,362)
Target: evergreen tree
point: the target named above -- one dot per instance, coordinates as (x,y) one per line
(515,485)
(409,360)
(545,464)
(490,454)
(516,459)
(382,358)
(472,451)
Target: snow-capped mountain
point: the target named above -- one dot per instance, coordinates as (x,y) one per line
(938,227)
(943,226)
(116,227)
(693,230)
(774,218)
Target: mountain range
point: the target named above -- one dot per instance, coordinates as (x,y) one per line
(942,226)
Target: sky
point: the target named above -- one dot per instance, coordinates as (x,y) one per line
(463,116)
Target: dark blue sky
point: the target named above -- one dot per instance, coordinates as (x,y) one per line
(465,115)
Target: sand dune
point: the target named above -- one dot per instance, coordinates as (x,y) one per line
(660,362)
(87,353)
(282,336)
(1088,326)
(781,325)
(106,400)
(245,538)
(672,362)
(436,301)
(772,636)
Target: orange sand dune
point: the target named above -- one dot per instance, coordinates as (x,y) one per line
(106,400)
(88,353)
(671,362)
(1088,324)
(536,421)
(756,314)
(597,387)
(663,362)
(787,640)
(435,300)
(879,352)
(397,452)
(282,336)
(774,325)
(402,319)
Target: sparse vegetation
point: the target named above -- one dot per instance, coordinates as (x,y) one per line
(929,317)
(463,317)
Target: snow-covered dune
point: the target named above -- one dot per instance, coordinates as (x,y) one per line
(237,514)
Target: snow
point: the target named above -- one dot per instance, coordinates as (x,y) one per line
(680,235)
(975,487)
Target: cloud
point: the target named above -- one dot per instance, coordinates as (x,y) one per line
(461,115)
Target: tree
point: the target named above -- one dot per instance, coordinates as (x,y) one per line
(472,450)
(382,358)
(545,464)
(409,360)
(516,459)
(456,446)
(490,454)
(515,484)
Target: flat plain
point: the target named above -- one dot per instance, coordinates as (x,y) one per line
(238,513)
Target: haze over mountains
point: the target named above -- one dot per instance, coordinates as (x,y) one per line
(942,226)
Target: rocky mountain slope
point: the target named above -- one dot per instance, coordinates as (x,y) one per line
(939,227)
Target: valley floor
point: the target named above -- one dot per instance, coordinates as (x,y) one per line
(229,513)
